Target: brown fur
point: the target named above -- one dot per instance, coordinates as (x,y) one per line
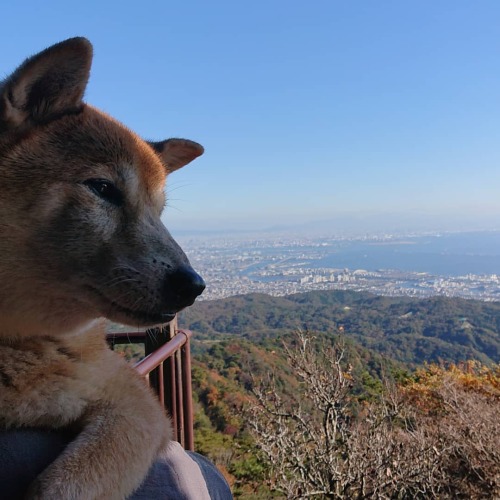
(70,256)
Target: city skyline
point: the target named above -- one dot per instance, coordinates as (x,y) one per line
(454,264)
(380,114)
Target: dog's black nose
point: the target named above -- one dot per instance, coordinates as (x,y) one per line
(183,286)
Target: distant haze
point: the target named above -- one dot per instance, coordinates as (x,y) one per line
(353,224)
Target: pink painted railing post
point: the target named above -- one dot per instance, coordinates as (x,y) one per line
(167,365)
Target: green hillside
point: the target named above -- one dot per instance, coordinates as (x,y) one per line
(226,373)
(239,341)
(412,331)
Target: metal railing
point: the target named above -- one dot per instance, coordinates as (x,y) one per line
(167,366)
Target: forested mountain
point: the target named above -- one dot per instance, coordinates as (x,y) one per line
(232,429)
(224,375)
(408,330)
(247,364)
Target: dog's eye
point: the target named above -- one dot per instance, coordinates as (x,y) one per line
(105,190)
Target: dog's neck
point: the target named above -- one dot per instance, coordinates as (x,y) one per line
(14,328)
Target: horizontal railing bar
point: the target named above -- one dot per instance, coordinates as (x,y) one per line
(174,391)
(157,357)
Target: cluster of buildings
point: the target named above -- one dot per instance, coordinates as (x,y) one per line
(232,268)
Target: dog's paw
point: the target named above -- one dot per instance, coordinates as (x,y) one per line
(41,490)
(35,491)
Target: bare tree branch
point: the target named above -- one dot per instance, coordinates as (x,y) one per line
(392,448)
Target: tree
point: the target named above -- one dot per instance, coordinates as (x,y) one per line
(438,436)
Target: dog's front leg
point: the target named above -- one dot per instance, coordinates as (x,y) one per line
(112,454)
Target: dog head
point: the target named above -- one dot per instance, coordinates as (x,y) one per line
(80,204)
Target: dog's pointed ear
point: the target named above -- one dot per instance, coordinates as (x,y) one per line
(175,153)
(47,84)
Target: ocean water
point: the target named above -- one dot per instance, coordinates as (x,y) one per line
(449,254)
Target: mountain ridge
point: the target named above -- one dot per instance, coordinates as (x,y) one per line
(409,330)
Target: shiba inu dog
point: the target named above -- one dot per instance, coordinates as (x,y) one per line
(81,239)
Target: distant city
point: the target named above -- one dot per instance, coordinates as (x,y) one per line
(420,265)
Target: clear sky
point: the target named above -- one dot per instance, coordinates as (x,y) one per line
(308,110)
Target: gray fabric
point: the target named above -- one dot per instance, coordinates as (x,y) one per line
(218,488)
(174,472)
(178,475)
(23,455)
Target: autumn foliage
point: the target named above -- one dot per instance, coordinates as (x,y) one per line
(434,435)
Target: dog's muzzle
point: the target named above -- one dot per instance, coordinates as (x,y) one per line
(182,287)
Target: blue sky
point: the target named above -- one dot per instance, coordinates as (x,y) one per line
(307,110)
